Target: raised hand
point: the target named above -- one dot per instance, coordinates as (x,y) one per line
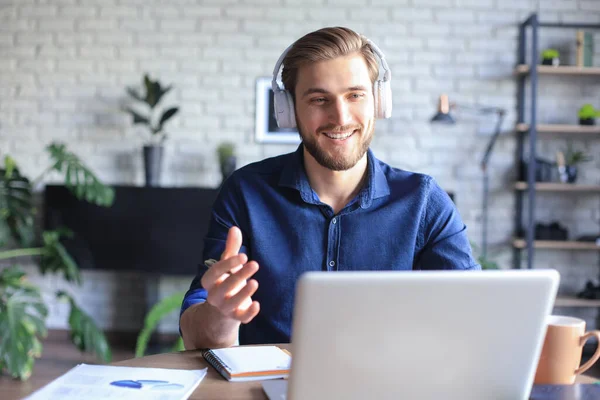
(227,284)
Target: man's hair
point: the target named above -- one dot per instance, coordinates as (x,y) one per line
(323,45)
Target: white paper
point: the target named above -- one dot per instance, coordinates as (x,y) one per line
(93,382)
(254,358)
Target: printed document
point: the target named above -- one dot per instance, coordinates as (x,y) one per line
(111,382)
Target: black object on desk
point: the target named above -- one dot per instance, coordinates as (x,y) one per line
(154,230)
(588,391)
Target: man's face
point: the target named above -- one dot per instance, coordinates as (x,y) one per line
(335,110)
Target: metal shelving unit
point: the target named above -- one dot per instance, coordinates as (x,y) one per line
(525,191)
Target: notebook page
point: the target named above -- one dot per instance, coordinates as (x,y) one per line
(254,358)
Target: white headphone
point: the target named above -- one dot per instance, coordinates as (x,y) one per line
(284,103)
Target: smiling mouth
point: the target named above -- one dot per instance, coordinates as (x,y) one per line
(339,136)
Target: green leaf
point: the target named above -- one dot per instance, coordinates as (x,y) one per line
(79,179)
(16,205)
(10,165)
(22,320)
(160,310)
(137,118)
(152,90)
(587,111)
(166,116)
(161,92)
(85,334)
(178,346)
(134,93)
(55,257)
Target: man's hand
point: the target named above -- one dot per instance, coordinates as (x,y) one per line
(227,284)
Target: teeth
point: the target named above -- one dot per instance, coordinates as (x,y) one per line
(338,135)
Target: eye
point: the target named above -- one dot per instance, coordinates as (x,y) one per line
(357,96)
(318,100)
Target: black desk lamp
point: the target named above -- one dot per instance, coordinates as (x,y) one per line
(443,116)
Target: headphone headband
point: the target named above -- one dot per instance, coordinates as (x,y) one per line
(284,103)
(274,85)
(387,73)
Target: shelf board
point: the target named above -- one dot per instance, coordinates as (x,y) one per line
(566,301)
(562,128)
(560,70)
(556,244)
(558,187)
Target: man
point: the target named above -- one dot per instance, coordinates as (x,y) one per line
(331,205)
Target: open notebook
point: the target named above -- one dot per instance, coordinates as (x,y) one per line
(250,363)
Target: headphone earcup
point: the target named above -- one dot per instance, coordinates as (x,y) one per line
(284,109)
(382,93)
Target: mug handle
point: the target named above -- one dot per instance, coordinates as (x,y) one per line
(596,355)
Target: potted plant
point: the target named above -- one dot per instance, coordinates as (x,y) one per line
(550,57)
(153,150)
(22,309)
(587,115)
(227,159)
(572,159)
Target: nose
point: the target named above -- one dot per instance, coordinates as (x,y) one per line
(340,113)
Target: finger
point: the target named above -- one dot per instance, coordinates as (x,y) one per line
(215,272)
(248,315)
(234,283)
(236,268)
(241,300)
(233,243)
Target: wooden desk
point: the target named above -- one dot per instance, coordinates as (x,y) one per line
(214,386)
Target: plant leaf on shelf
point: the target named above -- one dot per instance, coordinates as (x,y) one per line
(137,118)
(79,179)
(148,84)
(134,93)
(166,116)
(84,332)
(161,91)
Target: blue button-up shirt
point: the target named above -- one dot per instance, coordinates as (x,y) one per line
(398,221)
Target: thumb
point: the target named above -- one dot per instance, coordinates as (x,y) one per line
(233,244)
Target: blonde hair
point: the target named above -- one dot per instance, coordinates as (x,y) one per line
(322,45)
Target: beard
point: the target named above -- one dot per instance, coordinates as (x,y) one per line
(338,162)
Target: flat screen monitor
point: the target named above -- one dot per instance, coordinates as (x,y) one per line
(148,229)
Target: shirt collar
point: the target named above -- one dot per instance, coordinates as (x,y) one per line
(294,176)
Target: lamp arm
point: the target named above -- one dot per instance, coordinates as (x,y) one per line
(492,142)
(478,109)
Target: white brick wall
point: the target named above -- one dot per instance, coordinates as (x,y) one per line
(64,66)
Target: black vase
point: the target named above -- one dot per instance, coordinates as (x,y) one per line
(587,121)
(153,164)
(571,171)
(228,166)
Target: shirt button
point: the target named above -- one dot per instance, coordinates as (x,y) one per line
(331,263)
(334,220)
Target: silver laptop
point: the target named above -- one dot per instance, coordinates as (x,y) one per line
(417,335)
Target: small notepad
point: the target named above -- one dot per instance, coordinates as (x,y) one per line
(250,363)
